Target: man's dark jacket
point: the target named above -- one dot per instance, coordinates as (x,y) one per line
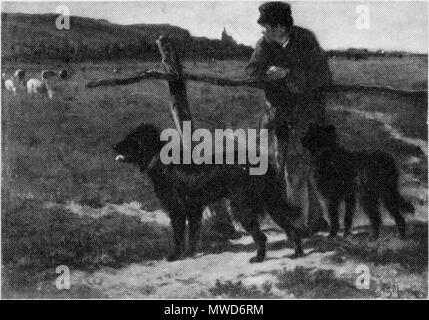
(309,70)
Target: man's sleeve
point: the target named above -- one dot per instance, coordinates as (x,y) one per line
(315,63)
(259,62)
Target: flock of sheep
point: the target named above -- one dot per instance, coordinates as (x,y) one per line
(34,85)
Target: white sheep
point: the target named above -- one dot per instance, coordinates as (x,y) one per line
(8,84)
(37,86)
(20,76)
(47,74)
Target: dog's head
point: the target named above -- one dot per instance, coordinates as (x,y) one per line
(319,137)
(140,146)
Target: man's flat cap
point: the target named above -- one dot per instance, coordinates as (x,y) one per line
(275,13)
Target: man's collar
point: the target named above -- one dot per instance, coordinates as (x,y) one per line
(284,45)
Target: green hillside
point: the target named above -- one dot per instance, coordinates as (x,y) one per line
(30,37)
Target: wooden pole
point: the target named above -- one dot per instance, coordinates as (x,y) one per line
(179,102)
(179,106)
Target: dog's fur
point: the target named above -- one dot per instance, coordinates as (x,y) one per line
(342,174)
(185,190)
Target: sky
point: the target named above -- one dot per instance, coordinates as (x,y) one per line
(391,25)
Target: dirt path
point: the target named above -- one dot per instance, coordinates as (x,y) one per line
(387,120)
(193,277)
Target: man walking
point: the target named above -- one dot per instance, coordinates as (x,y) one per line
(290,62)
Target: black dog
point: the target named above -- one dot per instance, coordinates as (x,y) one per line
(186,189)
(341,174)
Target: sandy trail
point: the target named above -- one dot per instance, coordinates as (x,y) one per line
(387,120)
(193,277)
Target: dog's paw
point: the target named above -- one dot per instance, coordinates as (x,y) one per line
(190,253)
(173,256)
(257,259)
(297,255)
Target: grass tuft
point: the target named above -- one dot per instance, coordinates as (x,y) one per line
(320,284)
(36,239)
(236,289)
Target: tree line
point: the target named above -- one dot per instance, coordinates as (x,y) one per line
(363,54)
(66,50)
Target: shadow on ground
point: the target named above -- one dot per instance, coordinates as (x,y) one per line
(411,253)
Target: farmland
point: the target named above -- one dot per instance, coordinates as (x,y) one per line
(56,154)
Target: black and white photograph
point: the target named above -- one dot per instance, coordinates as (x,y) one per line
(214,150)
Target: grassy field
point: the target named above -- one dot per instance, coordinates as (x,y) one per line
(60,151)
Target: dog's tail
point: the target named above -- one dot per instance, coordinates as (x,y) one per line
(401,203)
(393,196)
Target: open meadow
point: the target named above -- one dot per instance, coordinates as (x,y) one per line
(65,201)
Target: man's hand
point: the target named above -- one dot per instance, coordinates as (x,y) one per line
(276,73)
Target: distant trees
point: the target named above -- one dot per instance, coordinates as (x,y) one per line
(363,54)
(78,51)
(207,49)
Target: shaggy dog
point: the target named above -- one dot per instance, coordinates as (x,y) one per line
(185,190)
(342,174)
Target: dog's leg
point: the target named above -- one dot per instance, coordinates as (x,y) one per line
(178,223)
(223,223)
(194,231)
(249,220)
(316,207)
(370,206)
(350,210)
(282,215)
(333,214)
(396,214)
(392,201)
